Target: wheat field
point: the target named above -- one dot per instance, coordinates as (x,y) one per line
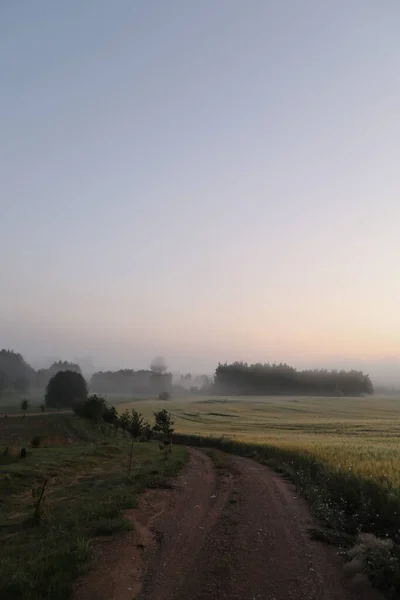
(360,435)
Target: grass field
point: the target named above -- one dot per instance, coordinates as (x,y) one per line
(87,491)
(361,435)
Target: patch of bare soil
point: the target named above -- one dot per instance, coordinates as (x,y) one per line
(241,535)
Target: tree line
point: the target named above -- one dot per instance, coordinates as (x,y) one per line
(128,381)
(16,375)
(68,389)
(242,378)
(236,378)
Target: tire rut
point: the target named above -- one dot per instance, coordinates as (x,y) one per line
(184,528)
(236,534)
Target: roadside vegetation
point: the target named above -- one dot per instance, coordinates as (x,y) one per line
(342,453)
(65,481)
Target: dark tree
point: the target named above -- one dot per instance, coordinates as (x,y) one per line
(136,424)
(3,383)
(64,366)
(92,408)
(110,416)
(241,378)
(125,420)
(14,366)
(24,406)
(164,423)
(66,389)
(43,376)
(117,423)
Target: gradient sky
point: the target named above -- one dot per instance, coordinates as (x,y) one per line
(207,180)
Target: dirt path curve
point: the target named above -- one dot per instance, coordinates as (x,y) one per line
(241,535)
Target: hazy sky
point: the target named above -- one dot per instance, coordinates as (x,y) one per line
(208,180)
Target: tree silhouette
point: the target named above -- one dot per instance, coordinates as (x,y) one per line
(3,383)
(241,378)
(110,416)
(93,408)
(125,420)
(66,389)
(136,424)
(164,423)
(14,367)
(128,381)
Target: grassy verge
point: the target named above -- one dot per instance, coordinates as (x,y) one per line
(343,501)
(87,492)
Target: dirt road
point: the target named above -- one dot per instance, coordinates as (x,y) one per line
(240,534)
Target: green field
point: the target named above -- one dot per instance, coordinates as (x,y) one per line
(87,492)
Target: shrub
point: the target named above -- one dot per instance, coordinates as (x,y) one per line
(380,560)
(93,408)
(35,441)
(164,396)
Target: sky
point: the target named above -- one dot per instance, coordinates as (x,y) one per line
(203,180)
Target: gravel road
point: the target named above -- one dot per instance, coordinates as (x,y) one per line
(236,534)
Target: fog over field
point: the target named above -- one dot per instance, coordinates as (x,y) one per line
(383,371)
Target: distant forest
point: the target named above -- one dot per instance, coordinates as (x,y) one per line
(16,375)
(241,378)
(127,381)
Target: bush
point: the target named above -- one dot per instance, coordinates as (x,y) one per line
(164,396)
(110,415)
(93,408)
(66,389)
(35,441)
(380,560)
